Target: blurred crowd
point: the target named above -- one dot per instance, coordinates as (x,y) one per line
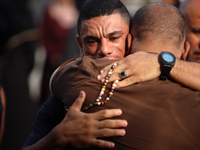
(36,37)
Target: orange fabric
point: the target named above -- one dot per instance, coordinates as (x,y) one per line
(3,99)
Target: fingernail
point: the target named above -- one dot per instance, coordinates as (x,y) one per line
(99,77)
(119,112)
(124,123)
(122,132)
(102,80)
(81,93)
(111,145)
(101,71)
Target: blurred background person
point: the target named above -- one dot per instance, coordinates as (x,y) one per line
(190,9)
(17,44)
(56,36)
(176,3)
(2,108)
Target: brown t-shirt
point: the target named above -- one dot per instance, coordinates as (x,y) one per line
(161,115)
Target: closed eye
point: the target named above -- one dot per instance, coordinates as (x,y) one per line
(114,38)
(196,30)
(91,40)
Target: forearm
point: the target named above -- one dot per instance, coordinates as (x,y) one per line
(48,142)
(187,74)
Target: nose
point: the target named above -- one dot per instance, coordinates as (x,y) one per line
(105,48)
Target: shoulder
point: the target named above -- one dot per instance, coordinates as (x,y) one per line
(58,70)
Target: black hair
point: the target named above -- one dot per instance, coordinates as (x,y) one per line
(97,8)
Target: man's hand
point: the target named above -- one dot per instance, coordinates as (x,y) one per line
(139,66)
(81,130)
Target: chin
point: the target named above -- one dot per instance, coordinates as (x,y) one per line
(113,58)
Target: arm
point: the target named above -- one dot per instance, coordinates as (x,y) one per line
(187,74)
(81,130)
(142,66)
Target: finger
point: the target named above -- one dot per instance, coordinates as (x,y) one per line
(117,70)
(106,113)
(114,76)
(78,102)
(112,123)
(104,72)
(103,144)
(128,81)
(110,133)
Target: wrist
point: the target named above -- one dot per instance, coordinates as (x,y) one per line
(56,139)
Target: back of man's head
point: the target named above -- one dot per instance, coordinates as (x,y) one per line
(160,22)
(98,8)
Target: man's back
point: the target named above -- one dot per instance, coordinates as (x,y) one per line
(161,114)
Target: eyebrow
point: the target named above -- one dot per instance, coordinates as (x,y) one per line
(115,32)
(90,37)
(110,34)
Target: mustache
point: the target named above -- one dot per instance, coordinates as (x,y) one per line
(111,57)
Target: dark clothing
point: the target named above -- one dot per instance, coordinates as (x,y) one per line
(50,114)
(14,18)
(1,105)
(1,111)
(20,111)
(160,114)
(17,58)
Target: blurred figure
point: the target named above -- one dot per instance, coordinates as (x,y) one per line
(190,9)
(172,2)
(57,35)
(2,108)
(17,44)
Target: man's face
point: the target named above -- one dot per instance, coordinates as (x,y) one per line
(104,36)
(193,33)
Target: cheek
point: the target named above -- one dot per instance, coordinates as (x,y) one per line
(123,46)
(120,50)
(89,50)
(193,40)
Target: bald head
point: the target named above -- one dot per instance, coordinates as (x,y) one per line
(159,22)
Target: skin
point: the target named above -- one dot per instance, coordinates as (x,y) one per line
(104,37)
(61,136)
(192,15)
(184,73)
(172,2)
(100,37)
(80,130)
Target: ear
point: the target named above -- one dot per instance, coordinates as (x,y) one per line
(80,45)
(129,43)
(185,50)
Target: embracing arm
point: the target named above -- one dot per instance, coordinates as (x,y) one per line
(82,130)
(142,66)
(187,74)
